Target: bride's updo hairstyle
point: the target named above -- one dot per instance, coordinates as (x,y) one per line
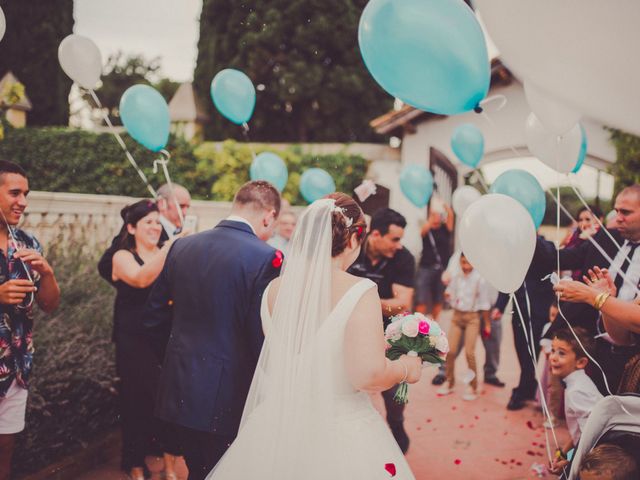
(346,222)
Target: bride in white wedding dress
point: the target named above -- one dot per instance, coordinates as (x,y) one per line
(308,414)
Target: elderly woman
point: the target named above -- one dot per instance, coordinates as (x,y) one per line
(136,265)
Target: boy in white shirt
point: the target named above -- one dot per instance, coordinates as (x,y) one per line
(469,295)
(568,361)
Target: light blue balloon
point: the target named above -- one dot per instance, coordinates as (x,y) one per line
(270,167)
(430,54)
(416,182)
(467,143)
(523,187)
(583,151)
(145,115)
(234,95)
(315,183)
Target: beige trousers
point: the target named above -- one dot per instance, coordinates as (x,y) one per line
(465,327)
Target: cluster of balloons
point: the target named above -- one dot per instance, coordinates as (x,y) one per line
(498,230)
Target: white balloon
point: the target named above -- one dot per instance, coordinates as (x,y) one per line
(3,24)
(498,238)
(558,152)
(463,197)
(582,52)
(81,60)
(555,117)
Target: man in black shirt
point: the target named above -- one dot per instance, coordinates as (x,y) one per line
(391,266)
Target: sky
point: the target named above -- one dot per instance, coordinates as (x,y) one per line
(165,28)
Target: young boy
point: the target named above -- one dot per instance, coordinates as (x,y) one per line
(469,296)
(568,360)
(608,462)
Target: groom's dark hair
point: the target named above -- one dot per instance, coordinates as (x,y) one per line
(258,194)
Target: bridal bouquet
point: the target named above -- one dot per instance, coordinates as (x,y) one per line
(416,335)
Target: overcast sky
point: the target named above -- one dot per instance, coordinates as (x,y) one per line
(165,28)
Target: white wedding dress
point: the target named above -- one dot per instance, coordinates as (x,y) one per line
(303,419)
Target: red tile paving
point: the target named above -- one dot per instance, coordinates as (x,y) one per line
(451,438)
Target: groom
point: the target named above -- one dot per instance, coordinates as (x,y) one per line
(210,291)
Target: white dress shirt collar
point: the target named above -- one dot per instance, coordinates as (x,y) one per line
(237,218)
(168,226)
(580,396)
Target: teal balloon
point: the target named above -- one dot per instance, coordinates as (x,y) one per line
(145,115)
(523,187)
(234,95)
(416,182)
(270,167)
(583,151)
(315,183)
(467,143)
(430,54)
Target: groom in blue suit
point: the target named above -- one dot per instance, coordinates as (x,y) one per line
(210,291)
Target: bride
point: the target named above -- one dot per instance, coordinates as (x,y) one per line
(308,414)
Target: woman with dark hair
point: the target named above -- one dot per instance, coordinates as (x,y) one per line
(586,226)
(136,265)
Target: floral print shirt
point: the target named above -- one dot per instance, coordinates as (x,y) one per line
(16,321)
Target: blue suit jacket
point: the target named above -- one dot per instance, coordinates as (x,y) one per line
(210,291)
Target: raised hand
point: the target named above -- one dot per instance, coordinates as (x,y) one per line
(600,279)
(35,260)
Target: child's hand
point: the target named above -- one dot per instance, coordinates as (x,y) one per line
(558,465)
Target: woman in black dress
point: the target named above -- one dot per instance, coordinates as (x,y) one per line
(136,265)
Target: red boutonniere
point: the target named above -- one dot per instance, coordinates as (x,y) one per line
(278,259)
(390,468)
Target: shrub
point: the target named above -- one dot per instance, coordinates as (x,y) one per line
(72,397)
(226,167)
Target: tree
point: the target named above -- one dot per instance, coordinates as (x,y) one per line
(30,50)
(626,170)
(304,59)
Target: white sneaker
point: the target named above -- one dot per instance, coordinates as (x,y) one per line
(469,395)
(444,389)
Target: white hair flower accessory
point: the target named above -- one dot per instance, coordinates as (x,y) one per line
(348,221)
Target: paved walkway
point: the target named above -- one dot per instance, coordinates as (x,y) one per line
(451,438)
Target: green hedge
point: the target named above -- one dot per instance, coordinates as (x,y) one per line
(66,160)
(227,165)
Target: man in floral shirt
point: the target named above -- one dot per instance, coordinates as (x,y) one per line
(25,278)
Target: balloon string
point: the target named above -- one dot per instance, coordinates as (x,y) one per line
(478,175)
(245,134)
(531,350)
(598,247)
(584,203)
(13,239)
(115,133)
(492,99)
(163,162)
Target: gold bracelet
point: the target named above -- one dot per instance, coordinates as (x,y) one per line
(600,299)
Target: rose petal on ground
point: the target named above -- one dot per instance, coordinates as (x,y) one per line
(457,461)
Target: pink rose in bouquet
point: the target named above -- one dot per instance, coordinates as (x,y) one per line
(417,335)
